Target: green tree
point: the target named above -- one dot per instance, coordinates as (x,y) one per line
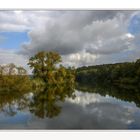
(13,77)
(46,68)
(127,73)
(43,63)
(21,71)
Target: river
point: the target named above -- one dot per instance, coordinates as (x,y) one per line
(88,108)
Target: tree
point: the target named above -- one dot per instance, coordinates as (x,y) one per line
(45,67)
(13,78)
(11,69)
(43,63)
(21,71)
(127,73)
(1,70)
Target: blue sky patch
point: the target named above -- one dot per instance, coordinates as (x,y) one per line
(134,25)
(13,40)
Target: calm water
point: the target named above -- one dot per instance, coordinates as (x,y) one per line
(87,108)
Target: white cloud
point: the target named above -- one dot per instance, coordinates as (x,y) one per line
(73,32)
(22,20)
(79,59)
(81,37)
(11,56)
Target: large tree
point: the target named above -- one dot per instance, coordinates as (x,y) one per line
(45,67)
(44,62)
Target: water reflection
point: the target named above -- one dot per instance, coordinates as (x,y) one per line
(11,102)
(87,107)
(45,103)
(131,93)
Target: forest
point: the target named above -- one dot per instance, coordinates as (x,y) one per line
(127,73)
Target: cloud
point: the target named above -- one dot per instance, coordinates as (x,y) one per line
(18,21)
(71,33)
(111,45)
(79,59)
(81,37)
(11,56)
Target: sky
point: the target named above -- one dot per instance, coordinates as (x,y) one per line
(82,38)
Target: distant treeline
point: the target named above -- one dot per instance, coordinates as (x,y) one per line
(127,73)
(14,79)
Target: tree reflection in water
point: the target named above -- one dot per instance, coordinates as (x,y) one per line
(129,93)
(45,102)
(12,101)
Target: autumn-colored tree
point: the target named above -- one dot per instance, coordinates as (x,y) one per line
(45,67)
(14,78)
(43,63)
(21,71)
(11,69)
